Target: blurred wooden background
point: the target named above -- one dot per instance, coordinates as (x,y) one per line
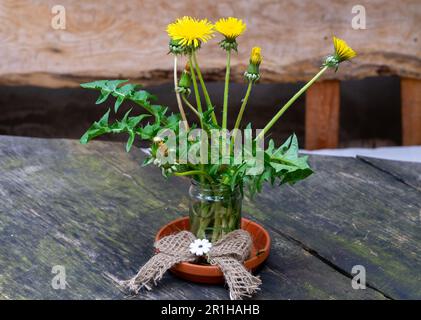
(127,39)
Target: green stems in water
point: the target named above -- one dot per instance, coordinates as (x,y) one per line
(226,88)
(289,103)
(214,210)
(202,84)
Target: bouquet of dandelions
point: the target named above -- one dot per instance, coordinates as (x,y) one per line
(220,163)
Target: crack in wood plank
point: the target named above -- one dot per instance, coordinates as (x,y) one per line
(324,260)
(367,161)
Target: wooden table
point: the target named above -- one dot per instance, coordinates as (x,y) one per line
(94,210)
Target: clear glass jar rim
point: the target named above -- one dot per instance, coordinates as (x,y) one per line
(213,187)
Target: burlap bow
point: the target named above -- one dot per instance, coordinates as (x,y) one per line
(228,254)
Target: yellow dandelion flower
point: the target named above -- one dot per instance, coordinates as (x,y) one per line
(342,50)
(256,56)
(342,53)
(230,27)
(190,32)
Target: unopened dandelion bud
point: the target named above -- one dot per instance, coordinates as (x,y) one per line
(175,47)
(256,56)
(185,79)
(253,72)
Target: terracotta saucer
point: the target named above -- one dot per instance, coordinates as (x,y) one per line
(212,274)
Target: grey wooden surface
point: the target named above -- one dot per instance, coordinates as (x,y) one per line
(94,210)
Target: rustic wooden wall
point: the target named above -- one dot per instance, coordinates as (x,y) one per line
(127,38)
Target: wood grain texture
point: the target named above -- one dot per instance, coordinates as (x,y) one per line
(322,115)
(411,111)
(95,210)
(407,172)
(351,213)
(127,39)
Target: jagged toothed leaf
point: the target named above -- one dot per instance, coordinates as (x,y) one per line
(123,93)
(102,97)
(94,84)
(130,140)
(288,165)
(126,115)
(142,97)
(97,128)
(118,103)
(104,119)
(148,132)
(173,121)
(111,85)
(126,90)
(134,121)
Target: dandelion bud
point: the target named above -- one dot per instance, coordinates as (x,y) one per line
(185,80)
(175,47)
(252,73)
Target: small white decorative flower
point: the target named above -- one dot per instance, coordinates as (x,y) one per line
(200,247)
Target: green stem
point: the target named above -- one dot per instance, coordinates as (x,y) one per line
(290,102)
(183,96)
(243,106)
(196,90)
(205,91)
(227,80)
(199,105)
(216,225)
(240,115)
(177,94)
(194,173)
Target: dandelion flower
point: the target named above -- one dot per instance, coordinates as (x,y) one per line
(342,50)
(190,32)
(342,53)
(230,27)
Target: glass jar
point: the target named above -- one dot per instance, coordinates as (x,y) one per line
(215,210)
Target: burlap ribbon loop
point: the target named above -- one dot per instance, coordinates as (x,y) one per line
(228,254)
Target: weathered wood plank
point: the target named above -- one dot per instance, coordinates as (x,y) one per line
(351,213)
(407,172)
(322,115)
(95,211)
(411,111)
(109,39)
